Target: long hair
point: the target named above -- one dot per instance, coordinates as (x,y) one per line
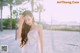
(25,28)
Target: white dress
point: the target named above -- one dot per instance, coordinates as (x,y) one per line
(32,45)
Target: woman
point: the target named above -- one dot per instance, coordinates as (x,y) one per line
(30,34)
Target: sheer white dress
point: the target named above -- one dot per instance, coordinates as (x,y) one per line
(32,45)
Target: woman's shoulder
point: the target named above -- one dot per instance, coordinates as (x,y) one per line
(39,26)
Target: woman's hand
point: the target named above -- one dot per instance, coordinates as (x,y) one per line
(20,22)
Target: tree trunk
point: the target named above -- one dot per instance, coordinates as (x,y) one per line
(10,16)
(1,21)
(32,5)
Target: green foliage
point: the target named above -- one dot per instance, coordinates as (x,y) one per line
(6,23)
(13,23)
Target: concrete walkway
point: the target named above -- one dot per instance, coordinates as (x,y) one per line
(54,41)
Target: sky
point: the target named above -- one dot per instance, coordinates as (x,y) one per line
(63,12)
(58,12)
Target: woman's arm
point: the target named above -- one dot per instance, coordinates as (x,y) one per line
(41,37)
(20,22)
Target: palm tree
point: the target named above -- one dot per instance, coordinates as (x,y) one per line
(1,6)
(39,9)
(32,5)
(11,3)
(2,3)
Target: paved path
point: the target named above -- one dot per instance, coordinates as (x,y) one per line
(54,41)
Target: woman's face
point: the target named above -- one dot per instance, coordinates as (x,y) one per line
(28,20)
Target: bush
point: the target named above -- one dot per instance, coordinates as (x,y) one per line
(6,23)
(13,23)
